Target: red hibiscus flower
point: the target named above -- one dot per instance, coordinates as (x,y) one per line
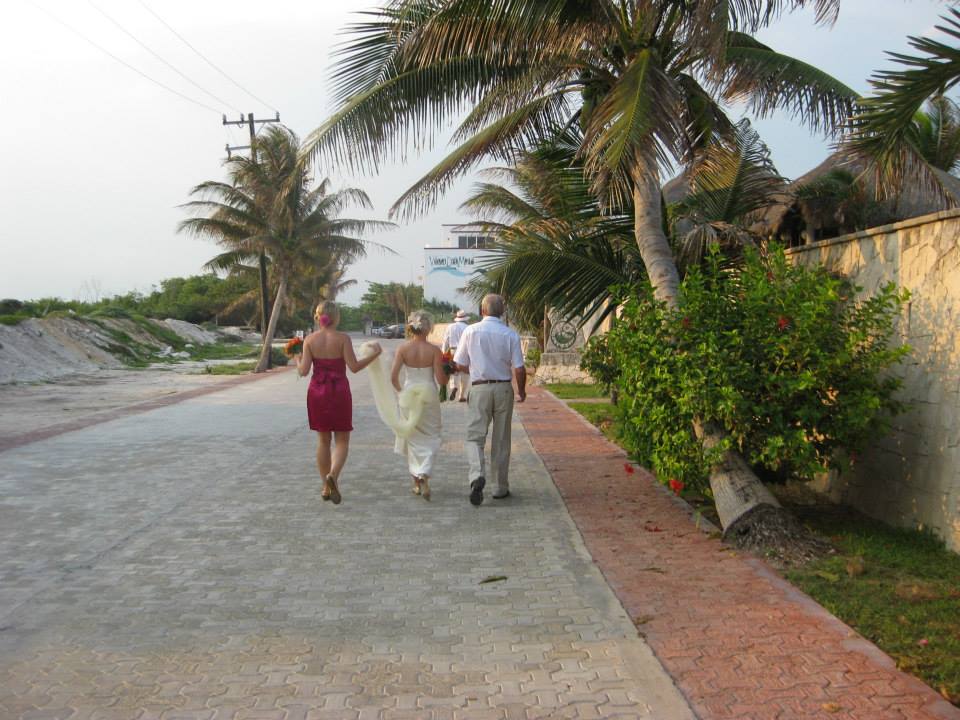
(676,486)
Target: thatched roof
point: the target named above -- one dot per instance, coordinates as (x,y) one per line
(676,189)
(915,200)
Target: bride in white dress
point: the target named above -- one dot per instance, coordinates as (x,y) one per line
(421,364)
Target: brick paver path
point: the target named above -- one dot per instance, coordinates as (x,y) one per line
(179,563)
(740,642)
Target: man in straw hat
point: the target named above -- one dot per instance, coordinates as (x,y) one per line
(490,352)
(451,338)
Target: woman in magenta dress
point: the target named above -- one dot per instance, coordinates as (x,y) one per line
(329,404)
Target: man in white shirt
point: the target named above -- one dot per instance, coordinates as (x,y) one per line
(490,352)
(451,339)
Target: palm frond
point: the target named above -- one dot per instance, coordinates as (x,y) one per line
(769,81)
(733,180)
(635,125)
(504,139)
(230,261)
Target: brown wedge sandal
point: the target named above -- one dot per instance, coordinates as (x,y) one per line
(335,496)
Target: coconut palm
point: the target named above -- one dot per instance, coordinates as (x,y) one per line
(888,127)
(937,133)
(554,246)
(730,185)
(646,80)
(271,206)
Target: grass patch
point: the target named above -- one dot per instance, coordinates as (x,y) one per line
(575,391)
(240,368)
(159,331)
(224,351)
(899,588)
(602,415)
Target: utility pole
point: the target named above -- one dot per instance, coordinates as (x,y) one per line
(252,123)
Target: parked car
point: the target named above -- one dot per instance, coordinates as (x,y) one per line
(377,331)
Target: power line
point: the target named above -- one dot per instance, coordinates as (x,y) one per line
(205,58)
(159,57)
(121,61)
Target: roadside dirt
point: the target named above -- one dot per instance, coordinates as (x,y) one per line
(27,407)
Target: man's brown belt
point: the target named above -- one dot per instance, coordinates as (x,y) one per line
(487,382)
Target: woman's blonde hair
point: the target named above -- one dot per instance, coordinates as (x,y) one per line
(420,322)
(327,313)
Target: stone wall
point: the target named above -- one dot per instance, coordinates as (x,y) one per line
(912,476)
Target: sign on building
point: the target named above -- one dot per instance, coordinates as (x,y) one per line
(447,271)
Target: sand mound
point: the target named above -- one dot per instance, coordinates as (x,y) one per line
(41,349)
(190,332)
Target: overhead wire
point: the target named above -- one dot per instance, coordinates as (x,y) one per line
(121,60)
(159,57)
(207,60)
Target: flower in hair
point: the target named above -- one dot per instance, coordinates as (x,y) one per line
(324,320)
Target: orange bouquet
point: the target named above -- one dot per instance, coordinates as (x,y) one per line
(293,347)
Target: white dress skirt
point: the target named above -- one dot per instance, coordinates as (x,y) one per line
(422,443)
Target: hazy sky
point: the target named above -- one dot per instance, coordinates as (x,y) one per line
(97,158)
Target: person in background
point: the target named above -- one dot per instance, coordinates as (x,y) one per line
(451,338)
(490,352)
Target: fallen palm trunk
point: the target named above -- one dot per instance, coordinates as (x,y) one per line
(751,517)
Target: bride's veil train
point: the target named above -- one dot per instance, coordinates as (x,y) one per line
(389,402)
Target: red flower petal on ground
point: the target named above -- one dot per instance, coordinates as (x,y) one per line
(923,642)
(628,468)
(676,486)
(783,322)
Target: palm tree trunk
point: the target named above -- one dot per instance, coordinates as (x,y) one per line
(264,304)
(263,362)
(652,241)
(737,491)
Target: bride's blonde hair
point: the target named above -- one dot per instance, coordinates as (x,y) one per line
(420,322)
(327,313)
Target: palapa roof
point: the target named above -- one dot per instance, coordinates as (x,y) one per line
(916,199)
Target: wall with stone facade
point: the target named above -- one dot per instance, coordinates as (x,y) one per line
(912,476)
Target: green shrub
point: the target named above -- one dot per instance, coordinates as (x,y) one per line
(533,356)
(278,357)
(778,355)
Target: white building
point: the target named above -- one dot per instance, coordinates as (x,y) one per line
(448,267)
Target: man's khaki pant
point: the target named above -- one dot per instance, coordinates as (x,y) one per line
(492,403)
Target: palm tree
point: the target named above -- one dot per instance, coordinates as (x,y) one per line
(731,184)
(937,133)
(890,128)
(270,206)
(645,79)
(554,245)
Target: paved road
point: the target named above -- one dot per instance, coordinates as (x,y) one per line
(180,564)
